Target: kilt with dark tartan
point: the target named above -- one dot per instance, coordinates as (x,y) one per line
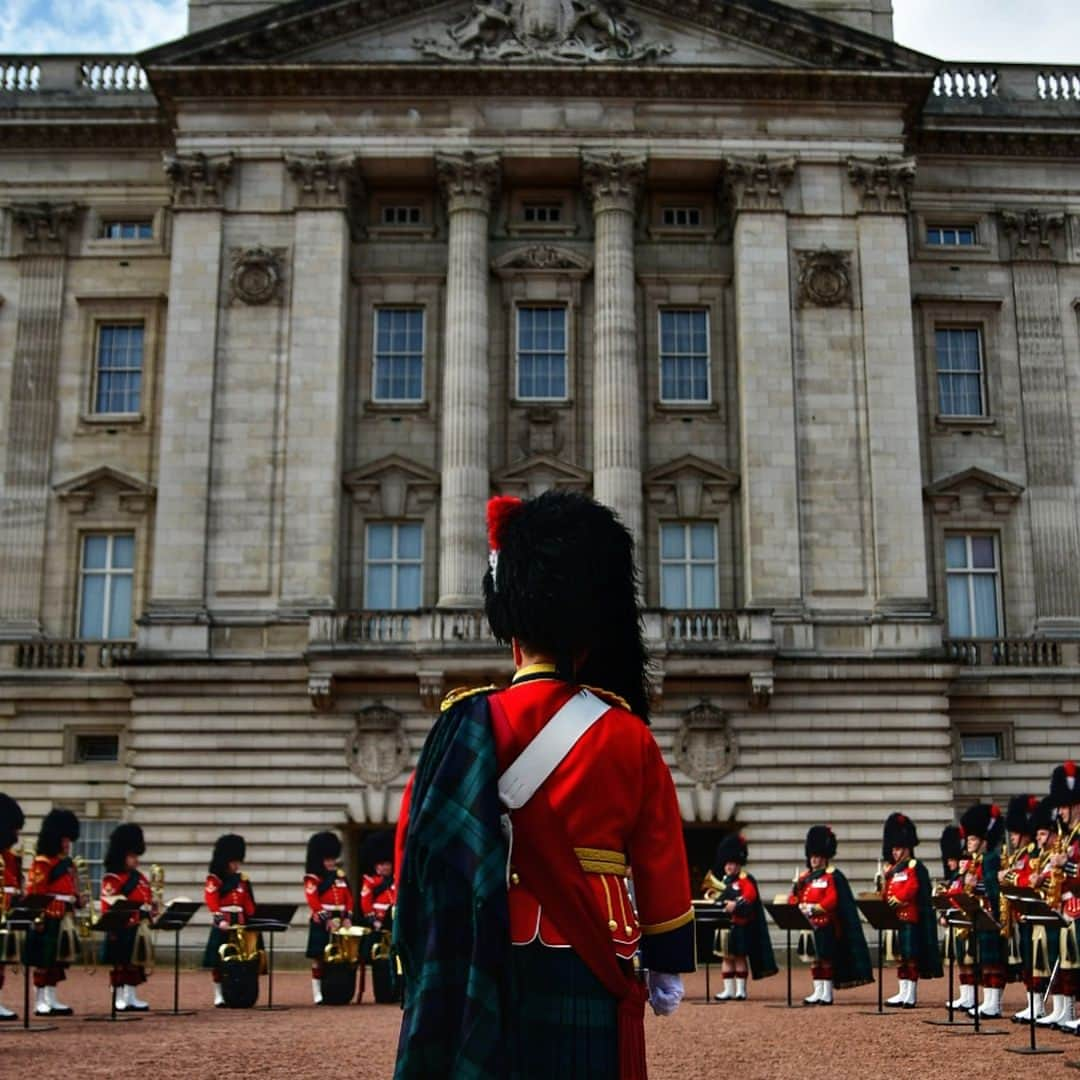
(907,942)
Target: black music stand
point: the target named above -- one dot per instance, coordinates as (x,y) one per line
(943,904)
(22,917)
(1031,909)
(174,918)
(881,917)
(788,917)
(115,919)
(709,917)
(271,919)
(975,918)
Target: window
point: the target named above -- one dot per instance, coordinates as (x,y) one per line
(542,213)
(399,354)
(118,367)
(973,583)
(684,355)
(96,748)
(681,217)
(108,565)
(125,229)
(394,557)
(951,235)
(541,353)
(982,746)
(92,844)
(688,566)
(402,215)
(960,371)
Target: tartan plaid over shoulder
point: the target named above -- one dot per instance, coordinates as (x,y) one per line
(452,925)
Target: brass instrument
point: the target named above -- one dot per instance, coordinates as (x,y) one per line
(157,889)
(243,945)
(1055,882)
(77,931)
(712,887)
(344,947)
(381,949)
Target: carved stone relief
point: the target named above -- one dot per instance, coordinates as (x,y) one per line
(1033,233)
(705,747)
(258,275)
(196,181)
(377,750)
(758,183)
(824,278)
(884,184)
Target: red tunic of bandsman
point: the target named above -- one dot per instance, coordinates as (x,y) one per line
(228,895)
(11,821)
(329,900)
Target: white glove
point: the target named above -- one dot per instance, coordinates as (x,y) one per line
(665,992)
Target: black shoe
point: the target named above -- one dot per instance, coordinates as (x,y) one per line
(13,1016)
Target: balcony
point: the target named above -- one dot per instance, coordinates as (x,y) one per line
(65,654)
(1012,652)
(983,89)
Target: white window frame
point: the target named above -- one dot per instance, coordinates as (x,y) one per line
(660,354)
(394,561)
(688,562)
(108,222)
(980,338)
(969,571)
(945,231)
(112,324)
(565,309)
(379,309)
(108,572)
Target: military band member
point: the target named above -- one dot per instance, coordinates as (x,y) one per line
(1039,950)
(906,889)
(127,950)
(11,821)
(377,889)
(841,958)
(229,897)
(51,949)
(746,946)
(329,900)
(1017,864)
(953,945)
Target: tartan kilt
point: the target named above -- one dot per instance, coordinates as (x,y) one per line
(318,937)
(990,950)
(117,947)
(732,942)
(563,1023)
(906,942)
(43,946)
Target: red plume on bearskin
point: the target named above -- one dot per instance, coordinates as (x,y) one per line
(499,510)
(1033,803)
(1070,774)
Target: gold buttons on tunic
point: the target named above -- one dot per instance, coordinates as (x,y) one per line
(514,879)
(628,929)
(612,925)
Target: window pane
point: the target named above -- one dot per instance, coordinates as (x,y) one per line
(95,552)
(980,747)
(120,607)
(377,593)
(672,542)
(955,552)
(408,587)
(702,541)
(986,615)
(123,554)
(380,541)
(703,579)
(410,537)
(92,617)
(673,587)
(959,614)
(982,552)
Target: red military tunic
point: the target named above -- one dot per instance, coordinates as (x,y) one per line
(235,901)
(1070,888)
(741,889)
(902,890)
(54,875)
(113,889)
(335,902)
(817,888)
(12,877)
(377,896)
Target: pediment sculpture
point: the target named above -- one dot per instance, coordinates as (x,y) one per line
(565,31)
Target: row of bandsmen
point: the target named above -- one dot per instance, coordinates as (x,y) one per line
(52,944)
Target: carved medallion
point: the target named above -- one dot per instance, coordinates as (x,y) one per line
(705,744)
(377,750)
(824,278)
(257,275)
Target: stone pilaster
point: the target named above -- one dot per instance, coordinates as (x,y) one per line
(41,231)
(613,183)
(770,509)
(176,619)
(469,182)
(883,186)
(1035,244)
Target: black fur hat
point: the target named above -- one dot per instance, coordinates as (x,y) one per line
(1018,815)
(321,846)
(733,848)
(59,825)
(899,832)
(1065,785)
(821,840)
(952,846)
(228,848)
(984,821)
(1043,815)
(377,848)
(562,581)
(12,820)
(125,840)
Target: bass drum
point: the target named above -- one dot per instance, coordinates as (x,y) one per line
(338,983)
(240,982)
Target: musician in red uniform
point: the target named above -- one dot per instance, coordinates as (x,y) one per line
(377,889)
(1065,795)
(128,950)
(229,897)
(52,873)
(11,821)
(329,900)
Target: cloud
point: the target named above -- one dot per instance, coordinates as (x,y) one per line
(85,26)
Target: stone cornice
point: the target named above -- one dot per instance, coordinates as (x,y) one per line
(982,142)
(75,130)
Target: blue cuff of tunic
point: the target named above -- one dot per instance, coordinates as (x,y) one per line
(671,951)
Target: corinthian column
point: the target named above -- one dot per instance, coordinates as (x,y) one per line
(468,182)
(613,184)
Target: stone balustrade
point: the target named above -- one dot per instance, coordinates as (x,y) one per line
(1012,652)
(65,654)
(40,76)
(965,88)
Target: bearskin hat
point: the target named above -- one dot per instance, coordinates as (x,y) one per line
(12,820)
(125,840)
(1065,785)
(1018,814)
(377,848)
(732,848)
(984,821)
(900,832)
(821,840)
(227,848)
(320,847)
(562,581)
(59,825)
(1043,815)
(952,846)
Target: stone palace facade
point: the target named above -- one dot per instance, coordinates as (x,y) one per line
(282,303)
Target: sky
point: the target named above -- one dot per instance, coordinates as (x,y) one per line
(1007,30)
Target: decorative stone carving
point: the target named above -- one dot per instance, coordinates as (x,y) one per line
(198,182)
(564,31)
(540,473)
(884,184)
(1032,234)
(377,750)
(759,183)
(704,746)
(44,226)
(542,434)
(78,494)
(432,688)
(320,689)
(322,182)
(468,176)
(392,486)
(761,689)
(973,489)
(824,278)
(613,181)
(257,276)
(542,257)
(690,486)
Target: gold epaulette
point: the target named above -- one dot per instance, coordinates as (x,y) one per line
(743,874)
(610,697)
(912,864)
(463,692)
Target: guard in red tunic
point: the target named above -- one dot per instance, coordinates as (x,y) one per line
(377,889)
(329,900)
(52,873)
(129,951)
(1064,867)
(11,821)
(1017,868)
(229,897)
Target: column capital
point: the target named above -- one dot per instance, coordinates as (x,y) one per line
(468,181)
(1032,234)
(198,182)
(759,183)
(884,184)
(43,226)
(323,182)
(613,181)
